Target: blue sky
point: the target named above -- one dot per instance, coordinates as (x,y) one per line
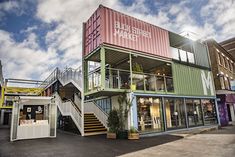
(36,36)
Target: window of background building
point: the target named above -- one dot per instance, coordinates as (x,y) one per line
(226,82)
(231,66)
(222,60)
(221,78)
(225,63)
(218,58)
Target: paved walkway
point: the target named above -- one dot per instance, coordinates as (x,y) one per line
(216,143)
(72,145)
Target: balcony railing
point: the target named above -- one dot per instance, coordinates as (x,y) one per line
(121,79)
(94,80)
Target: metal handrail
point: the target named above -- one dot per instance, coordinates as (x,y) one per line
(75,106)
(100,108)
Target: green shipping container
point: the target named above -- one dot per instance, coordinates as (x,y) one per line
(192,81)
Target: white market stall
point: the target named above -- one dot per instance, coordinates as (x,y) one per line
(33,117)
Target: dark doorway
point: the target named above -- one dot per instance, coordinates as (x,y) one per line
(229,113)
(6,118)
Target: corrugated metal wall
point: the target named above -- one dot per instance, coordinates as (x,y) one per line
(92,32)
(112,27)
(188,80)
(201,54)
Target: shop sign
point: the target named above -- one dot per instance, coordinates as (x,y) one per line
(129,32)
(207,83)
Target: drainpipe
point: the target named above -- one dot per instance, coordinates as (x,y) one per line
(217,112)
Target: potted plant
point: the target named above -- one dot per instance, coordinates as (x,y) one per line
(133,134)
(124,107)
(113,124)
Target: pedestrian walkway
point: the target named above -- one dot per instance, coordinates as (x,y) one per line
(73,145)
(215,143)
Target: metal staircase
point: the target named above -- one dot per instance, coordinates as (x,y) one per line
(68,108)
(89,117)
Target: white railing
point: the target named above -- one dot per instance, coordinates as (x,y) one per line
(65,77)
(91,107)
(78,101)
(68,109)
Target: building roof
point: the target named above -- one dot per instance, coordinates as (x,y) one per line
(229,45)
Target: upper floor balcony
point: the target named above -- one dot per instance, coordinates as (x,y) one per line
(125,71)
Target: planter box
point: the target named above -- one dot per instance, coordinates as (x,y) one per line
(111,135)
(122,134)
(133,136)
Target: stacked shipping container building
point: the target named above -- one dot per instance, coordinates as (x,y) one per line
(166,76)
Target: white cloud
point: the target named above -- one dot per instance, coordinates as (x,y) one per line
(20,60)
(64,43)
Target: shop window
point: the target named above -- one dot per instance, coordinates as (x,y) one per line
(33,114)
(209,111)
(194,112)
(175,115)
(150,114)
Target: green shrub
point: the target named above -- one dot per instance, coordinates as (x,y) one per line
(113,121)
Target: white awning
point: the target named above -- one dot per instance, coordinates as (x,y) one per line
(34,100)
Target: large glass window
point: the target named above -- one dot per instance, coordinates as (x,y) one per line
(150,114)
(175,53)
(194,112)
(209,111)
(31,114)
(183,55)
(175,115)
(190,57)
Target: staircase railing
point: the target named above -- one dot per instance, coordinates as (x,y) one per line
(71,75)
(91,107)
(78,101)
(68,108)
(66,76)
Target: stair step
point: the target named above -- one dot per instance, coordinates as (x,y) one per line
(95,133)
(95,130)
(93,127)
(93,124)
(91,120)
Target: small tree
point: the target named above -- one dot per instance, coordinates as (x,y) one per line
(113,121)
(124,108)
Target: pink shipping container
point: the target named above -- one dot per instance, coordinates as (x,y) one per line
(114,28)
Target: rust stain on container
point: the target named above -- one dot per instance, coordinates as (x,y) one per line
(114,28)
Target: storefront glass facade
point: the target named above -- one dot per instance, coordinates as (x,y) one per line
(194,112)
(175,113)
(157,114)
(209,111)
(150,117)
